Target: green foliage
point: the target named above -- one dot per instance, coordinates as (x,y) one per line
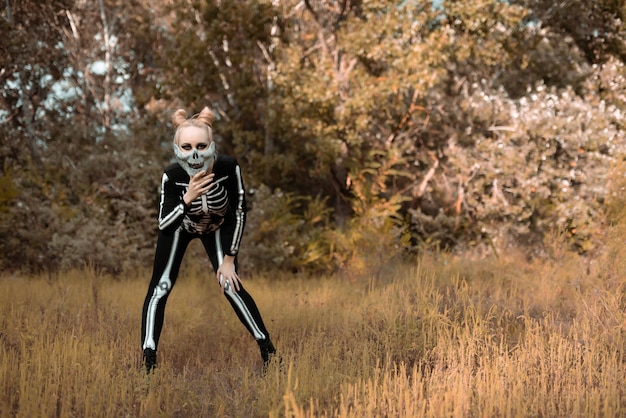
(557,145)
(595,27)
(90,204)
(616,222)
(376,236)
(616,199)
(286,232)
(7,191)
(215,58)
(372,242)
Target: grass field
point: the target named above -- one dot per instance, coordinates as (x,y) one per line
(440,337)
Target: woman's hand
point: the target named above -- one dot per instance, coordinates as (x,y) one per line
(198,185)
(226,274)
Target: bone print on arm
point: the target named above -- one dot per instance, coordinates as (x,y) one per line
(172,209)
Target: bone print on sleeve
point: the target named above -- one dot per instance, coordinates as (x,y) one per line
(172,209)
(235,221)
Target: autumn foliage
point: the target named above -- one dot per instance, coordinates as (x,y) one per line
(471,127)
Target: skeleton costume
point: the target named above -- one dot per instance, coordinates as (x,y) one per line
(217,218)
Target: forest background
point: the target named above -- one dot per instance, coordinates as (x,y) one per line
(470,127)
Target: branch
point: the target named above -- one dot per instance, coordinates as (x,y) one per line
(307,3)
(458,204)
(72,21)
(107,63)
(29,112)
(320,29)
(9,17)
(429,175)
(412,108)
(223,79)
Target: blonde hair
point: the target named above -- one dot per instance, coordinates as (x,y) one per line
(203,120)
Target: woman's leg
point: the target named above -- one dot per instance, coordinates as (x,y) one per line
(241,301)
(167,259)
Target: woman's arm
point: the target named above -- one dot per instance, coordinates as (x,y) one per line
(172,208)
(232,229)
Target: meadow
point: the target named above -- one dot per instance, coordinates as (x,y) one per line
(440,336)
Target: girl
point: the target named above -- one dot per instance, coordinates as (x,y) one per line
(202,196)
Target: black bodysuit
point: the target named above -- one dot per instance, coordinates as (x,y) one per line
(217,218)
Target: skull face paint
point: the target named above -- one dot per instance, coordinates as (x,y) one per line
(195,160)
(194,151)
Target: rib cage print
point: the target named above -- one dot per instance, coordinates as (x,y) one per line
(223,207)
(207,212)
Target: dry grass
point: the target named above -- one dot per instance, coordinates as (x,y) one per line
(443,337)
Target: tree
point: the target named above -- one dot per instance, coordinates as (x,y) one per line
(457,125)
(215,57)
(31,63)
(596,27)
(72,185)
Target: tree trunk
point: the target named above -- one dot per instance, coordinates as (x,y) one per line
(106,105)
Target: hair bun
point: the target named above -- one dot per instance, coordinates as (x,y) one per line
(179,117)
(207,116)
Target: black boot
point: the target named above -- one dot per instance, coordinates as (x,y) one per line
(267,351)
(149,359)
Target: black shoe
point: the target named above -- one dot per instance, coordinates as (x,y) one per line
(149,359)
(267,350)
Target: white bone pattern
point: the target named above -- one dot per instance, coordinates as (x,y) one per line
(206,213)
